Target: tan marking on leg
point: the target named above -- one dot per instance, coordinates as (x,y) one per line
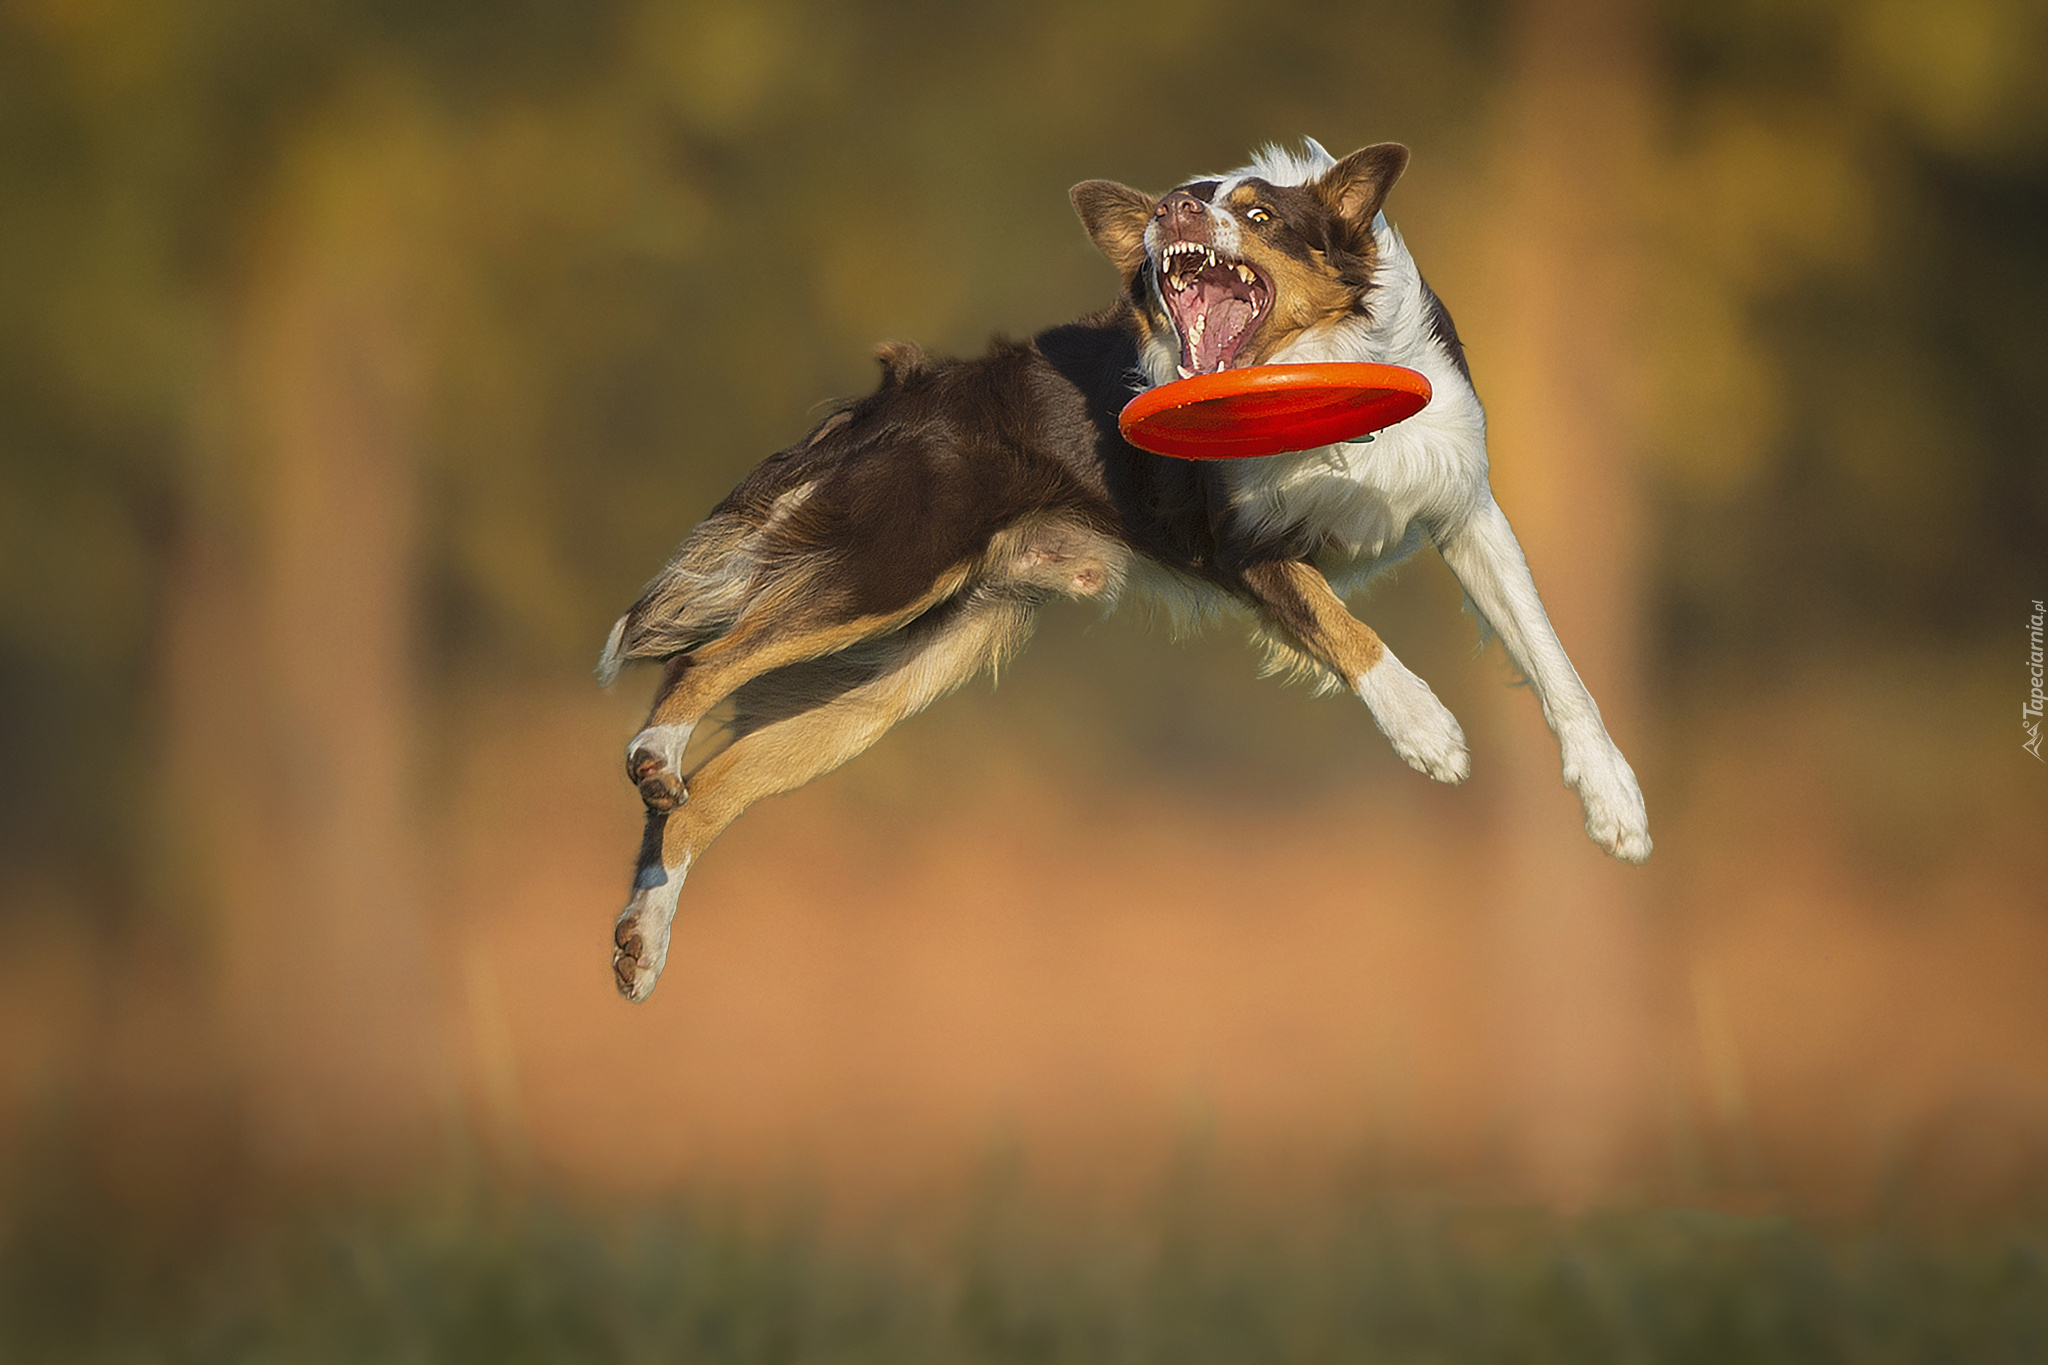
(1296,599)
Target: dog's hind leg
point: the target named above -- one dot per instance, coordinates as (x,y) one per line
(1488,562)
(1296,600)
(793,725)
(788,624)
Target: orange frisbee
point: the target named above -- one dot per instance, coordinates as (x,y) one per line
(1267,409)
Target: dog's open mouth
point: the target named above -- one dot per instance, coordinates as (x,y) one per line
(1216,304)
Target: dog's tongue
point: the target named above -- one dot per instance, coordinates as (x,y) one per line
(1213,314)
(1222,320)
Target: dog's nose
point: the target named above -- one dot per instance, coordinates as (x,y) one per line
(1180,205)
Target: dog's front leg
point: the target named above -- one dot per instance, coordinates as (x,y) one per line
(1488,562)
(1296,599)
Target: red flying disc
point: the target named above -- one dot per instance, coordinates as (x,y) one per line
(1267,409)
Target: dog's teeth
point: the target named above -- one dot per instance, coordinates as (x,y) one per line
(1244,272)
(1185,372)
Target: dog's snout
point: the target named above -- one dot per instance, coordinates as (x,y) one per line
(1180,205)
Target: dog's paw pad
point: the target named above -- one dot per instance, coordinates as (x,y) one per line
(632,970)
(653,761)
(660,789)
(631,979)
(661,793)
(640,934)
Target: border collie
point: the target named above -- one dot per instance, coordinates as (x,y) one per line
(906,543)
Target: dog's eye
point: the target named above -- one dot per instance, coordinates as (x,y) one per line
(1257,214)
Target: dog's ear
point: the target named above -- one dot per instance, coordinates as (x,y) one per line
(1355,187)
(1116,217)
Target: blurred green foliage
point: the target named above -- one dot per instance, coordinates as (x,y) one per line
(1197,1282)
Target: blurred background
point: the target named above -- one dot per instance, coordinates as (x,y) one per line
(361,360)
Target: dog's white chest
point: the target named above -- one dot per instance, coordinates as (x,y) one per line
(1356,503)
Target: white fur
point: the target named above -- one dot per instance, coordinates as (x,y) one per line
(1370,504)
(1372,499)
(665,741)
(609,662)
(1278,166)
(1482,552)
(1423,732)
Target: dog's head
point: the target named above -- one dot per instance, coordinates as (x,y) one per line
(1228,271)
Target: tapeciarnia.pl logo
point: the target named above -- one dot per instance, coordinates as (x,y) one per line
(2030,713)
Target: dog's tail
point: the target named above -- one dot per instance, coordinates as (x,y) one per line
(696,598)
(610,661)
(758,547)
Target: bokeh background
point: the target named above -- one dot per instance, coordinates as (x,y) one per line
(360,360)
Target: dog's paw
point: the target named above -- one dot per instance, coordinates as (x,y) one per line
(1616,818)
(661,791)
(640,950)
(653,764)
(1424,733)
(640,937)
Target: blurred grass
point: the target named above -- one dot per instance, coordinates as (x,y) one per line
(495,1279)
